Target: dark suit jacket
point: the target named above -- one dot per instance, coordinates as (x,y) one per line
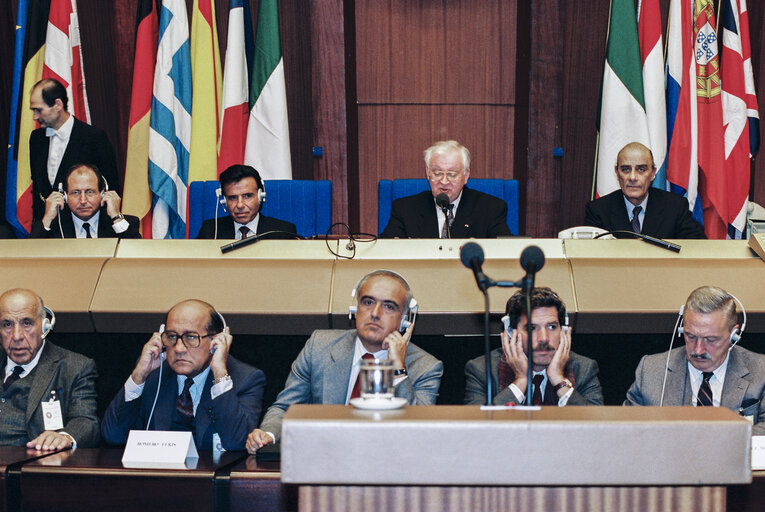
(233,415)
(87,144)
(73,377)
(744,385)
(105,229)
(265,224)
(666,215)
(322,371)
(587,389)
(478,216)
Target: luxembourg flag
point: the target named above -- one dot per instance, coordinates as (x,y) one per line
(236,90)
(170,125)
(63,55)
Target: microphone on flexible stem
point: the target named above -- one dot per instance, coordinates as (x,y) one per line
(532,261)
(471,255)
(442,201)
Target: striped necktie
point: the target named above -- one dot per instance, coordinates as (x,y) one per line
(13,377)
(704,396)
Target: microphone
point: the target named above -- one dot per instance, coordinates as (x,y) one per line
(659,242)
(471,256)
(442,201)
(532,259)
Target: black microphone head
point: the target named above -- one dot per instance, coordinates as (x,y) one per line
(532,259)
(469,252)
(442,200)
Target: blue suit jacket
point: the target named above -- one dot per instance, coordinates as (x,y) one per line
(233,415)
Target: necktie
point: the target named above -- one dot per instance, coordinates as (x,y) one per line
(635,218)
(450,220)
(245,231)
(356,393)
(536,380)
(184,405)
(704,397)
(13,377)
(86,227)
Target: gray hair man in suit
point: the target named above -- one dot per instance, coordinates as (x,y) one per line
(710,370)
(326,370)
(48,393)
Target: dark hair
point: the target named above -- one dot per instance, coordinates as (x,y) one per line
(91,167)
(52,90)
(238,172)
(541,297)
(215,323)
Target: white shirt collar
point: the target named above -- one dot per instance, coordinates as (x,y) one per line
(64,131)
(252,226)
(93,221)
(10,365)
(715,382)
(630,207)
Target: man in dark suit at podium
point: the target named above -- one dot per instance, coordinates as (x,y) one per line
(244,192)
(710,370)
(639,208)
(471,214)
(62,141)
(561,377)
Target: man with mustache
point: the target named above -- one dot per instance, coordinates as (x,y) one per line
(560,376)
(710,370)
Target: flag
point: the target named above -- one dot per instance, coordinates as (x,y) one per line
(652,58)
(682,133)
(751,98)
(236,90)
(268,135)
(170,123)
(63,56)
(137,200)
(206,78)
(711,149)
(737,95)
(621,116)
(31,22)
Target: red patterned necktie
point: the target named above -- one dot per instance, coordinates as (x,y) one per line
(704,396)
(184,405)
(356,393)
(536,380)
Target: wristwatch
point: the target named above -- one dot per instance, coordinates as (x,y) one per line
(563,384)
(118,218)
(400,371)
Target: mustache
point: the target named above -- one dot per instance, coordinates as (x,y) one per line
(703,355)
(544,346)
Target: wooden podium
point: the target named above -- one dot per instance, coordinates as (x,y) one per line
(462,458)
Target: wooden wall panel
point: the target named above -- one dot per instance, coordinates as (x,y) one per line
(393,137)
(436,51)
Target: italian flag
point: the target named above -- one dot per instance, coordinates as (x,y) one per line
(268,136)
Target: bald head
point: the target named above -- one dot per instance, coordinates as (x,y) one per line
(21,321)
(635,171)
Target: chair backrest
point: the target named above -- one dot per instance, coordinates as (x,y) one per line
(390,190)
(305,203)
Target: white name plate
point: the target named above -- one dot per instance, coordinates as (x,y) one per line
(160,449)
(758,452)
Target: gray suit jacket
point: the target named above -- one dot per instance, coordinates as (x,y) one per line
(73,377)
(587,386)
(743,389)
(322,370)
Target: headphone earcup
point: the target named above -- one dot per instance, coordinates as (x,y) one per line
(680,331)
(261,195)
(735,336)
(46,326)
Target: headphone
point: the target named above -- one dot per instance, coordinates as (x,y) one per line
(212,350)
(220,200)
(406,320)
(735,334)
(103,185)
(48,323)
(509,330)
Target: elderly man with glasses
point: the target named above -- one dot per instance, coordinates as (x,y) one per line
(449,209)
(185,380)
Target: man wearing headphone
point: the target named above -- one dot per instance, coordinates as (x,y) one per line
(84,207)
(244,194)
(186,380)
(48,397)
(710,370)
(560,376)
(326,370)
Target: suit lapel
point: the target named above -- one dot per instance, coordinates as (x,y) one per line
(338,374)
(461,224)
(69,153)
(44,371)
(428,218)
(735,386)
(226,228)
(678,390)
(619,212)
(202,419)
(654,213)
(166,401)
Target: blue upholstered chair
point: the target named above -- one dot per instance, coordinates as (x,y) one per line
(305,203)
(390,190)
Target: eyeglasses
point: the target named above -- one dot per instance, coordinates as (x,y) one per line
(90,193)
(438,175)
(189,339)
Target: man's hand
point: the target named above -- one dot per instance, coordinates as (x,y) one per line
(149,360)
(221,343)
(113,202)
(556,369)
(515,357)
(257,439)
(49,441)
(53,204)
(396,343)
